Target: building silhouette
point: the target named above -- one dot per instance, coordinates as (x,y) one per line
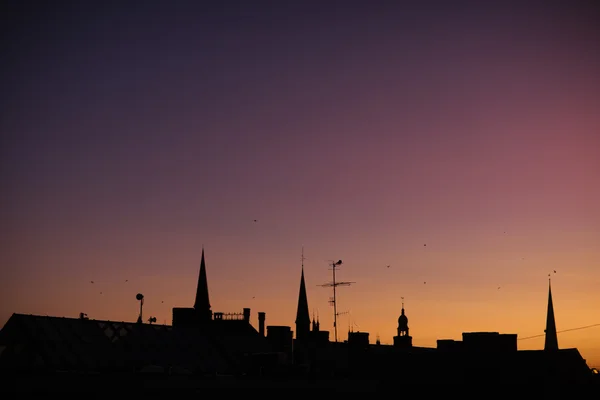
(403,339)
(227,350)
(198,341)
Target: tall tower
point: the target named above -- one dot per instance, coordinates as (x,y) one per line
(551,342)
(402,323)
(302,315)
(403,339)
(202,304)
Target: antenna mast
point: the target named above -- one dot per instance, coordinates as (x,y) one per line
(333,300)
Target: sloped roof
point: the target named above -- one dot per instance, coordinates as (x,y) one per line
(239,337)
(80,344)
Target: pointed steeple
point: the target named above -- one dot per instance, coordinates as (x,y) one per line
(551,342)
(202,304)
(302,315)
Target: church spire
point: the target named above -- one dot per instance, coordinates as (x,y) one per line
(202,304)
(551,342)
(302,315)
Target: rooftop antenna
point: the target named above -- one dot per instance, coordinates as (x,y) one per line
(333,300)
(140,297)
(354,324)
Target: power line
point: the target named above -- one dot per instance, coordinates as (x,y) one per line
(566,330)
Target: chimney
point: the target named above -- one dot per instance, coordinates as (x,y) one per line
(261,323)
(247,315)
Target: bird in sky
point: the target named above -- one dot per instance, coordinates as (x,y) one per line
(388,266)
(91,281)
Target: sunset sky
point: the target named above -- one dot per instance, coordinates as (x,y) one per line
(457,142)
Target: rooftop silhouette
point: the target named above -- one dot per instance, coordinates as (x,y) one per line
(227,345)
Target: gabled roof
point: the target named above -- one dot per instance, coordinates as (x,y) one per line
(239,337)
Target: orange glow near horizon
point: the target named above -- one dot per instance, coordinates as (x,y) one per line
(436,309)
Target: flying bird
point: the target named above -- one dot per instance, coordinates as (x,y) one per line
(388,266)
(91,281)
(554,271)
(424,283)
(255,220)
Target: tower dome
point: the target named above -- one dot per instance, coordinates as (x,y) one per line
(402,319)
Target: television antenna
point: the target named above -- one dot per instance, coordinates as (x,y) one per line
(333,300)
(352,324)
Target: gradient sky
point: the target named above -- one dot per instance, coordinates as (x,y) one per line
(135,133)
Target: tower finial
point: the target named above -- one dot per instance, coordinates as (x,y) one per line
(402,302)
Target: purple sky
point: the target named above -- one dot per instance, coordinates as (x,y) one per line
(134,134)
